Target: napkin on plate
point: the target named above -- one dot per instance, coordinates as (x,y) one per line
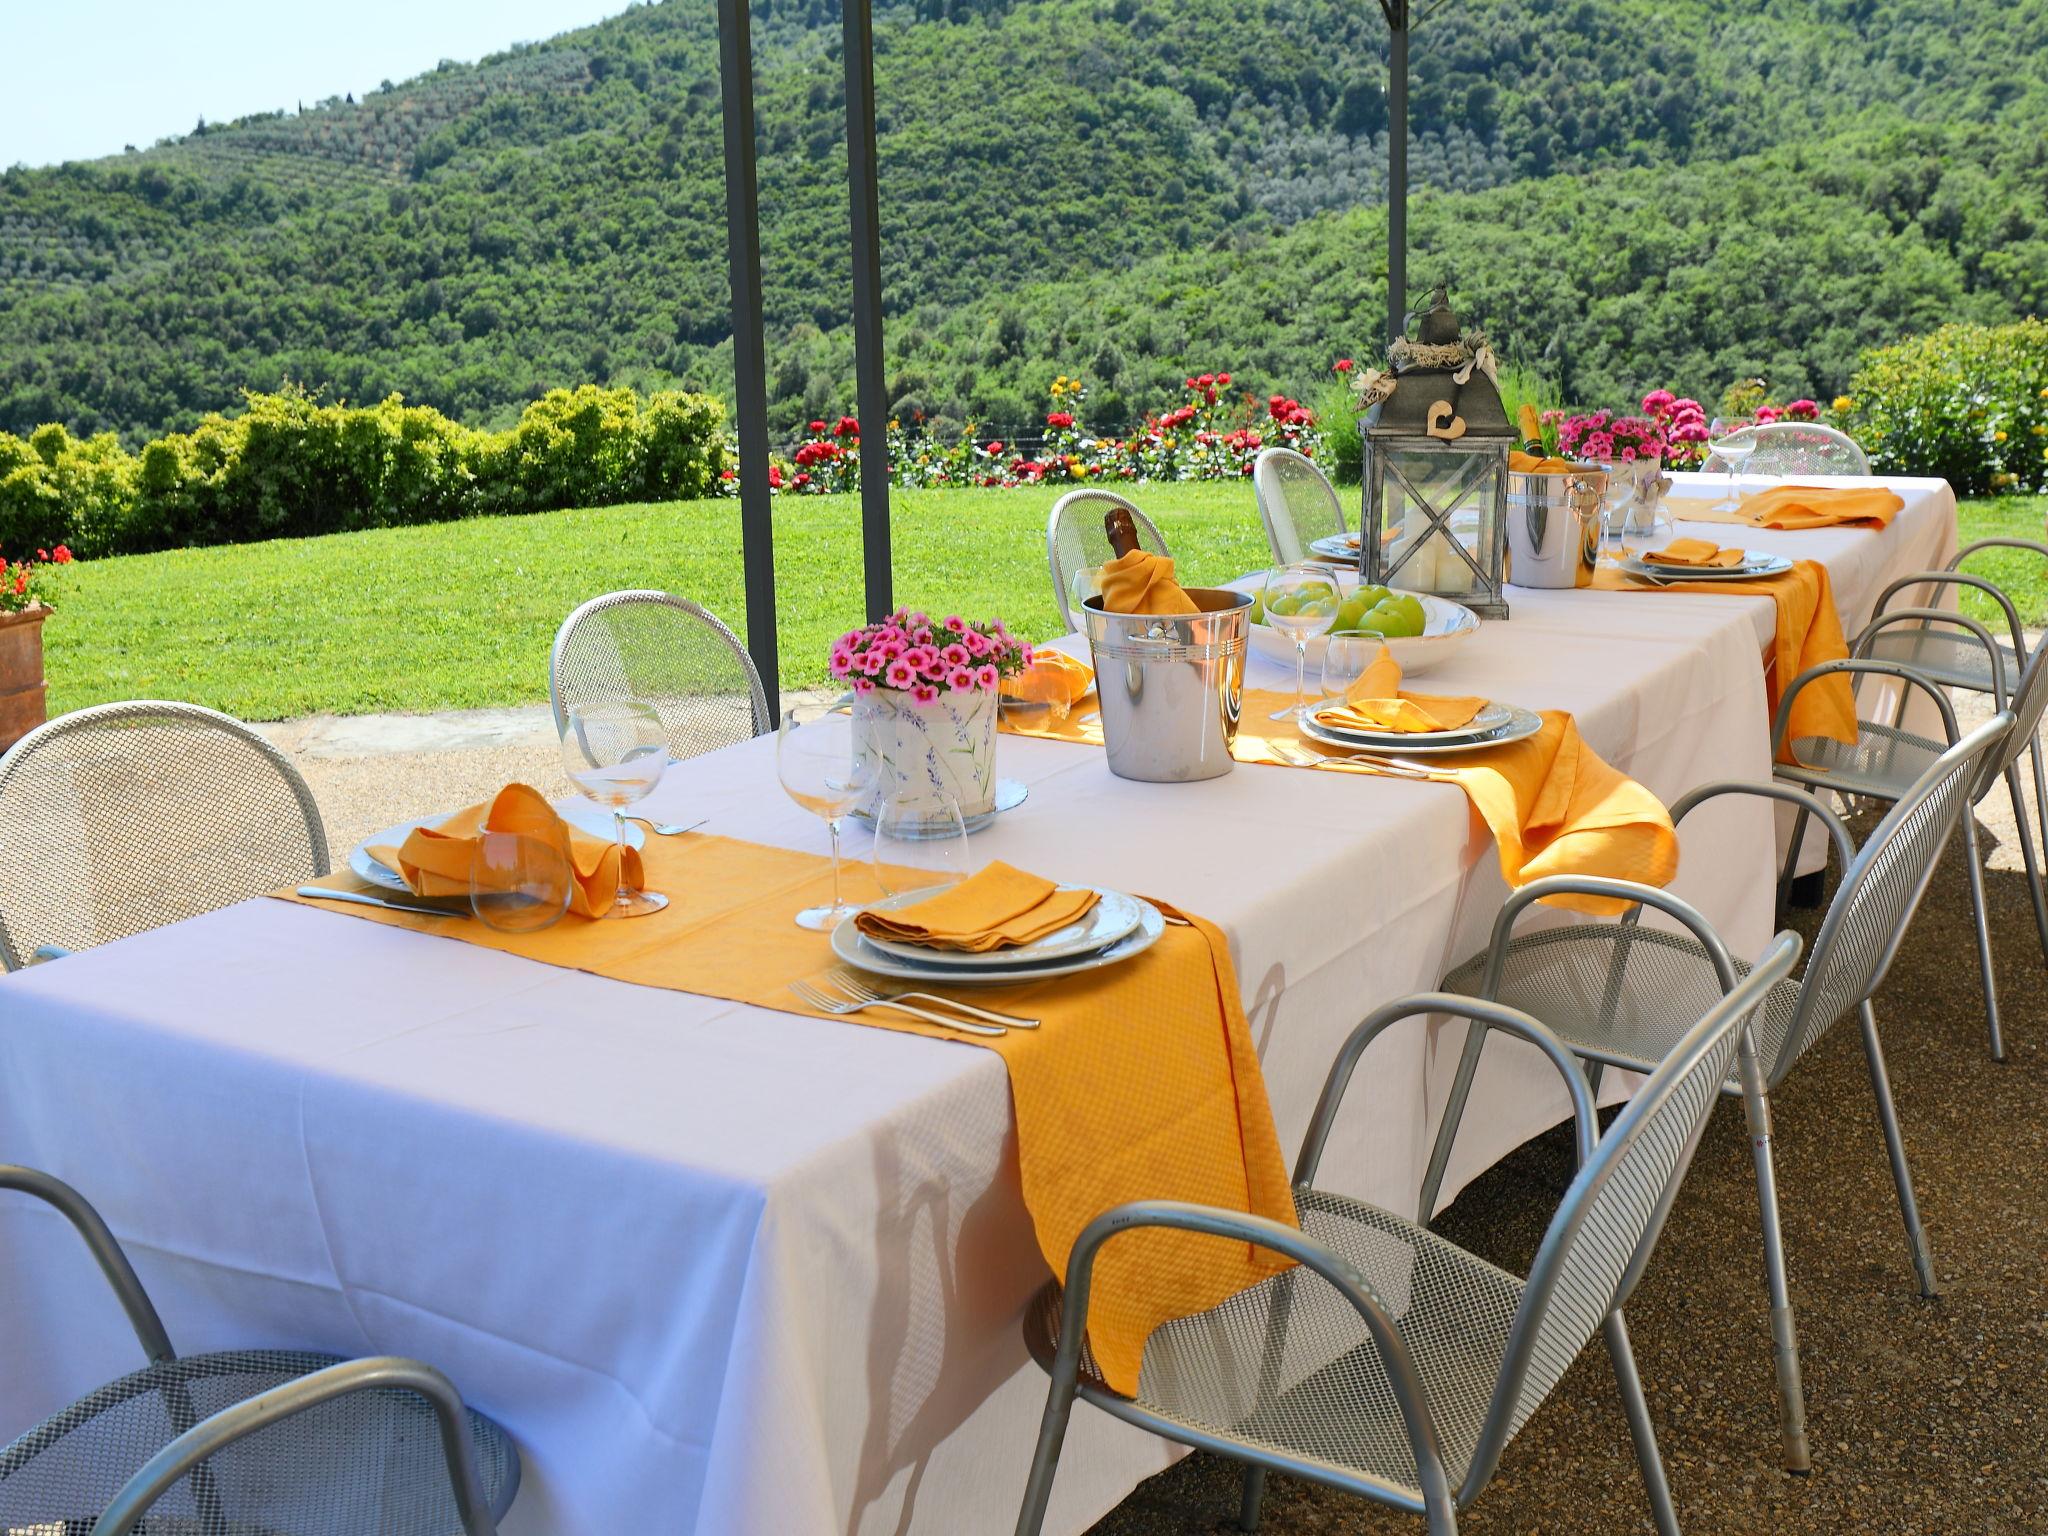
(1696,554)
(1053,679)
(1816,506)
(1142,582)
(435,861)
(998,908)
(1375,702)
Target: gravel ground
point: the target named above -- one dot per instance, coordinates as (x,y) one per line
(1926,1417)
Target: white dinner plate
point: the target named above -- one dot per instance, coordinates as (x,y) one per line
(1487,722)
(1336,546)
(1522,723)
(580,814)
(1756,566)
(1445,626)
(1113,916)
(856,951)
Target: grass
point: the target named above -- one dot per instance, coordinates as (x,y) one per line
(460,615)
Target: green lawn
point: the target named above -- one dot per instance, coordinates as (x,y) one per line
(459,615)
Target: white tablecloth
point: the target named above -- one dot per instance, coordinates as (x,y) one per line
(732,1271)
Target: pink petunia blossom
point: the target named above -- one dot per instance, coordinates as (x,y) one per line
(977,643)
(956,654)
(872,661)
(960,679)
(863,686)
(900,674)
(988,677)
(923,693)
(842,663)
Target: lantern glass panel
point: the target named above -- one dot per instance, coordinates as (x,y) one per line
(1461,487)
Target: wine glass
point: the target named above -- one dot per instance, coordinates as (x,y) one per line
(520,882)
(920,841)
(1732,444)
(825,769)
(1346,655)
(616,751)
(1300,601)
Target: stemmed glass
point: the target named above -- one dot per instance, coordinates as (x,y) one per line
(1346,655)
(520,882)
(1728,441)
(1300,601)
(616,752)
(920,843)
(824,768)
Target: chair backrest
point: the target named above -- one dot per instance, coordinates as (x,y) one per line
(1075,542)
(1798,448)
(125,817)
(1882,887)
(663,650)
(1611,1216)
(1297,503)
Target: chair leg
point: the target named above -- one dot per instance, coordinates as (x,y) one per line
(1254,1495)
(1977,907)
(1447,1130)
(2040,794)
(2026,837)
(1639,1428)
(1895,1149)
(1791,868)
(1045,1460)
(1756,1107)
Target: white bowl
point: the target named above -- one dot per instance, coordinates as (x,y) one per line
(1445,626)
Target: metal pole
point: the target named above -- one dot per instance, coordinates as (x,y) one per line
(871,395)
(1397,163)
(749,363)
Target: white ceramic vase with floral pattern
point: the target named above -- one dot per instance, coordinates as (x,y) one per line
(929,754)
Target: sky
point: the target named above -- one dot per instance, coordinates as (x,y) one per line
(83,78)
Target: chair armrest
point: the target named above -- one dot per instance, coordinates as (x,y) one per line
(1479,1010)
(380,1373)
(1861,667)
(1790,794)
(1921,617)
(1288,1241)
(1688,916)
(1955,578)
(106,1252)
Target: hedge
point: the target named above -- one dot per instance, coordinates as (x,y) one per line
(1967,402)
(289,466)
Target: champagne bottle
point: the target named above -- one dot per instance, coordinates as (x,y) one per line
(1532,429)
(1123,533)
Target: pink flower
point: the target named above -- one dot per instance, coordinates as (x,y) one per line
(988,677)
(1025,653)
(977,643)
(842,663)
(920,657)
(960,679)
(923,693)
(956,654)
(872,661)
(863,686)
(952,621)
(1659,400)
(900,674)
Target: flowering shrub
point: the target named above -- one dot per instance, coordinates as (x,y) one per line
(916,654)
(1967,402)
(1604,437)
(23,584)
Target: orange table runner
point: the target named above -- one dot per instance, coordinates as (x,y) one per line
(1554,806)
(1141,1083)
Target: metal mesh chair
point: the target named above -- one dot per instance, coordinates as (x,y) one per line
(665,651)
(1297,503)
(1075,542)
(1885,761)
(125,817)
(1389,1362)
(1618,994)
(1798,448)
(250,1442)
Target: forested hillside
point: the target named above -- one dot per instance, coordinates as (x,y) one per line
(1632,192)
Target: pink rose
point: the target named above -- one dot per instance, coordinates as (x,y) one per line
(988,677)
(901,674)
(923,693)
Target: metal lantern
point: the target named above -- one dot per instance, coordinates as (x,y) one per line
(1436,467)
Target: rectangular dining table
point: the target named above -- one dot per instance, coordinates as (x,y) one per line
(727,1270)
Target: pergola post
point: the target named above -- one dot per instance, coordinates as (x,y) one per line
(870,389)
(1397,163)
(749,362)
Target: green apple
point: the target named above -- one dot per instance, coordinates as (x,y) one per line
(1259,609)
(1398,617)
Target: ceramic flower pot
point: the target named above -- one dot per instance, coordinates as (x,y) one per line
(928,754)
(21,673)
(1636,490)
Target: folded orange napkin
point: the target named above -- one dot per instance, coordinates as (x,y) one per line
(1375,702)
(998,908)
(1142,582)
(435,861)
(1697,553)
(1053,679)
(1528,464)
(1815,506)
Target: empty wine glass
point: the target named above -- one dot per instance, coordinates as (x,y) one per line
(1732,443)
(1346,655)
(1300,601)
(616,752)
(920,842)
(520,882)
(821,762)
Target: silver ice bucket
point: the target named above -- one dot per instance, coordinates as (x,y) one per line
(1170,685)
(1554,526)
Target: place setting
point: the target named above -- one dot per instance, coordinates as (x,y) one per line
(1363,708)
(1685,559)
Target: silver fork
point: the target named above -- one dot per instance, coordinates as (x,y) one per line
(825,1003)
(1393,768)
(854,986)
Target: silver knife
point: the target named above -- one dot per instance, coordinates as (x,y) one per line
(364,899)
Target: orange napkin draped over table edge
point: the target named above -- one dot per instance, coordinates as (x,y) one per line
(1171,1019)
(1053,679)
(1553,804)
(1809,632)
(1142,582)
(435,861)
(1817,506)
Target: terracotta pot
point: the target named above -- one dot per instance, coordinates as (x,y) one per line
(21,674)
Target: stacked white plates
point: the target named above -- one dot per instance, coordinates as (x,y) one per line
(1756,565)
(1114,929)
(1493,726)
